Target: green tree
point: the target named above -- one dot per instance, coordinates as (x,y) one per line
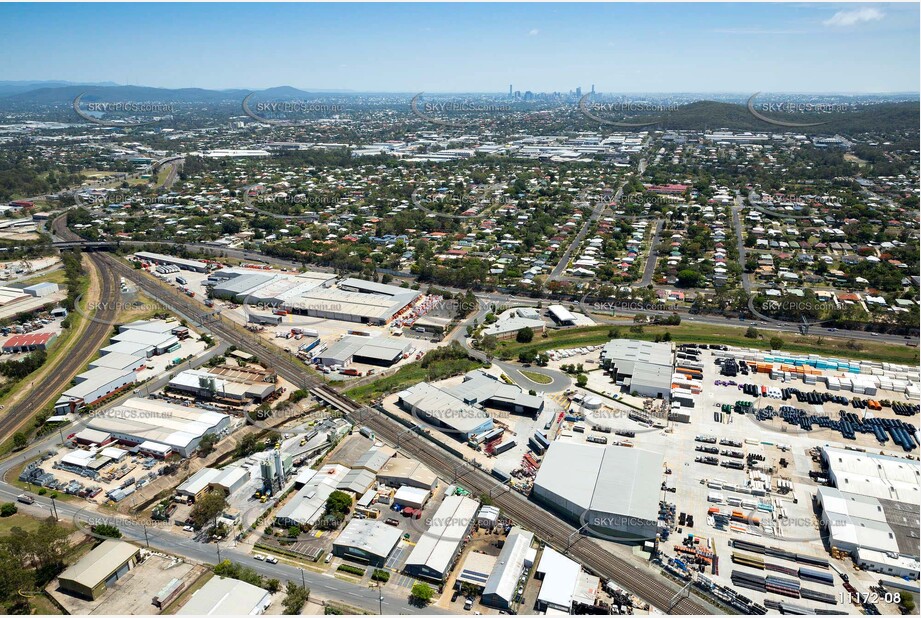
(107,530)
(20,440)
(581,379)
(752,333)
(776,343)
(422,593)
(206,444)
(208,508)
(525,335)
(7,509)
(295,598)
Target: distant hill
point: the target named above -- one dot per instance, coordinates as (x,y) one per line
(47,94)
(15,87)
(710,115)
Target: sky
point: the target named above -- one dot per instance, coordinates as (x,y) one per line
(681,47)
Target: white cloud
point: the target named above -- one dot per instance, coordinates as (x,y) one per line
(854,16)
(534,32)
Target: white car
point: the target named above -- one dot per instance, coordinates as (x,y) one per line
(188,529)
(271,559)
(259,557)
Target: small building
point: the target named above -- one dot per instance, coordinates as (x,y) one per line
(367,541)
(411,496)
(488,517)
(224,596)
(159,258)
(476,569)
(99,569)
(561,315)
(28,342)
(888,563)
(434,554)
(119,362)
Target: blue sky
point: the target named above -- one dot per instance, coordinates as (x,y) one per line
(472,47)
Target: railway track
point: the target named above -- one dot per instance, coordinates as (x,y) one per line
(656,590)
(89,343)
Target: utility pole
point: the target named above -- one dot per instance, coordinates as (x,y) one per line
(218,544)
(54,509)
(303,579)
(146,540)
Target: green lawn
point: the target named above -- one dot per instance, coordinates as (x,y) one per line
(536,377)
(408,375)
(707,333)
(27,523)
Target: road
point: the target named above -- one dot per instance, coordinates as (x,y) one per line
(600,206)
(653,256)
(737,207)
(648,586)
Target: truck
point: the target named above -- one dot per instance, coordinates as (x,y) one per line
(25,499)
(181,281)
(351,371)
(367,432)
(279,312)
(310,332)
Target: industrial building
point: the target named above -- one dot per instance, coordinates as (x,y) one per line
(616,493)
(874,475)
(643,367)
(367,540)
(400,471)
(476,569)
(561,315)
(159,258)
(104,565)
(509,327)
(224,596)
(381,351)
(160,342)
(228,480)
(40,290)
(482,389)
(158,427)
(444,410)
(28,342)
(563,583)
(119,362)
(208,385)
(434,554)
(856,521)
(516,557)
(411,496)
(93,385)
(307,506)
(888,563)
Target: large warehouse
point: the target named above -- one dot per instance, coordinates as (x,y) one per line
(99,569)
(483,389)
(446,411)
(643,367)
(158,427)
(616,492)
(159,258)
(434,554)
(878,476)
(367,540)
(382,351)
(93,385)
(856,521)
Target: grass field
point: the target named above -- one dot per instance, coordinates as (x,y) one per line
(706,333)
(408,375)
(29,524)
(536,377)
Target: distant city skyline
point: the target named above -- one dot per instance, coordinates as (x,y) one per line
(483,48)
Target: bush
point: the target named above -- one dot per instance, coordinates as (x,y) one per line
(525,335)
(422,593)
(380,575)
(354,570)
(7,509)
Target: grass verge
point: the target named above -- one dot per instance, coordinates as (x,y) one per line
(718,334)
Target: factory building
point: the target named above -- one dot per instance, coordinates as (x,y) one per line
(160,342)
(400,471)
(28,342)
(207,385)
(856,521)
(434,554)
(643,367)
(40,290)
(307,506)
(100,569)
(476,569)
(119,362)
(92,386)
(224,596)
(482,389)
(563,583)
(381,351)
(157,427)
(159,258)
(367,540)
(874,475)
(442,409)
(228,481)
(616,492)
(516,556)
(509,327)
